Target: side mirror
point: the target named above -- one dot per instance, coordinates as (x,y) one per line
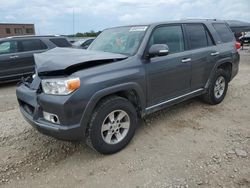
(158,50)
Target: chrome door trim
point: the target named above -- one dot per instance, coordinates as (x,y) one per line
(175,98)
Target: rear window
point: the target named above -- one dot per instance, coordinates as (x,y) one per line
(198,36)
(60,42)
(32,45)
(224,32)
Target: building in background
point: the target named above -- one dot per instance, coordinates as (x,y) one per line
(14,29)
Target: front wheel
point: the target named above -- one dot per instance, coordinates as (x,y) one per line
(218,87)
(112,125)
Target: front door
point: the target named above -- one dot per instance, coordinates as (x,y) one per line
(168,76)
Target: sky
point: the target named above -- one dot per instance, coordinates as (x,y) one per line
(56,16)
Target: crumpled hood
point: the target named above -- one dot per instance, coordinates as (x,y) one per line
(60,59)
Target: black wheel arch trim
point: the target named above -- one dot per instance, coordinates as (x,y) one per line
(218,63)
(109,91)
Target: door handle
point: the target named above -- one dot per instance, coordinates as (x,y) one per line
(185,60)
(13,57)
(215,53)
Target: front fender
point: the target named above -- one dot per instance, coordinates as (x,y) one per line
(108,91)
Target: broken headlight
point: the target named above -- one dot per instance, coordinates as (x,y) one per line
(60,86)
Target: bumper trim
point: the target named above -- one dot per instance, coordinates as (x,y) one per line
(74,132)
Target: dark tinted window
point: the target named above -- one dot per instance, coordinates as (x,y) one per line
(87,43)
(18,31)
(29,30)
(8,47)
(170,35)
(32,45)
(7,30)
(197,36)
(224,32)
(209,39)
(61,42)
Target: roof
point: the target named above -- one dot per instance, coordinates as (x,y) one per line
(235,25)
(23,36)
(189,21)
(31,36)
(176,21)
(16,24)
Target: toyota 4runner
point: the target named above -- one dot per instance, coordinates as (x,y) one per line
(126,73)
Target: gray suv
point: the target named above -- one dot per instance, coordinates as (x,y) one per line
(16,54)
(127,73)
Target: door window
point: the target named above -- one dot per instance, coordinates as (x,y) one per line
(60,42)
(209,39)
(87,43)
(7,30)
(18,31)
(198,37)
(224,32)
(32,45)
(8,47)
(169,35)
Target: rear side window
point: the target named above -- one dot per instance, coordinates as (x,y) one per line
(170,35)
(8,47)
(224,32)
(198,36)
(60,42)
(32,45)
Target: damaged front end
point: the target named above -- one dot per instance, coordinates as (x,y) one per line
(66,61)
(49,114)
(51,100)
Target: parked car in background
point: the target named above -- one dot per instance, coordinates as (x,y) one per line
(126,73)
(245,39)
(16,54)
(71,40)
(83,43)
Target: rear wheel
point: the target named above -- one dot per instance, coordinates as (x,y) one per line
(112,125)
(218,87)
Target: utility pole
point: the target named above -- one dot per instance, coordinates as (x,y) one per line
(73,22)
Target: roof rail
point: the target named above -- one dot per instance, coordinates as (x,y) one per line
(23,36)
(208,19)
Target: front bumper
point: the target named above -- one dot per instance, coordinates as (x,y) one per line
(33,113)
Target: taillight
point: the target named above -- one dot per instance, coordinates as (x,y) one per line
(237,45)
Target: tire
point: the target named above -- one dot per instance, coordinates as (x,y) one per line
(211,97)
(110,141)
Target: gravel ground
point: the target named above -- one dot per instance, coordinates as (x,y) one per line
(188,145)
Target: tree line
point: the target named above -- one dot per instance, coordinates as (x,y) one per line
(86,34)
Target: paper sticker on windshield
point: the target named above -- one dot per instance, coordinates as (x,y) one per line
(138,28)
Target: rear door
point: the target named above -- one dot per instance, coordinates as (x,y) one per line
(27,47)
(8,54)
(168,76)
(204,53)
